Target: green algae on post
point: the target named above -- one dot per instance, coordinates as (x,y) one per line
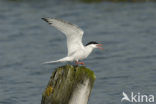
(67,83)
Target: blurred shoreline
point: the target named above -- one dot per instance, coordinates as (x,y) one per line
(92,1)
(88,1)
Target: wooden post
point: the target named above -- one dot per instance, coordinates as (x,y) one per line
(69,85)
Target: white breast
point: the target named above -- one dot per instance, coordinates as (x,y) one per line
(82,53)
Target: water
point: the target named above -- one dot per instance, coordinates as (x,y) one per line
(127,63)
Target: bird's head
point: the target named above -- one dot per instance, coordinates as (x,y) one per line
(94,44)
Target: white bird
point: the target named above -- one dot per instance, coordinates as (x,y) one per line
(76,50)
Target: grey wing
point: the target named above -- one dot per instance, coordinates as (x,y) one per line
(73,33)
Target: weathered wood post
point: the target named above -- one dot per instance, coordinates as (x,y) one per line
(69,85)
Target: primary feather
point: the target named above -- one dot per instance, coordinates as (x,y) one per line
(72,32)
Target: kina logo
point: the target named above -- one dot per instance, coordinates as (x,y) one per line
(137,97)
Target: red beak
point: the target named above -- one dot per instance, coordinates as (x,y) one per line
(98,46)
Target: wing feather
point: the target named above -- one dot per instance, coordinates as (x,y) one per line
(73,33)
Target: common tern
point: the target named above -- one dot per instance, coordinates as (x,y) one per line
(76,50)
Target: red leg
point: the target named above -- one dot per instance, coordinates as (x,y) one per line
(77,63)
(82,63)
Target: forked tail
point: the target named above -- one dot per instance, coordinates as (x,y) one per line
(65,59)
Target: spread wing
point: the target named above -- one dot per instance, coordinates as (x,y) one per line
(73,33)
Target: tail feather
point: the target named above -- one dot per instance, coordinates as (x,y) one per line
(50,62)
(60,60)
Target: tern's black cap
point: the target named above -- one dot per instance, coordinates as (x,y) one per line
(92,42)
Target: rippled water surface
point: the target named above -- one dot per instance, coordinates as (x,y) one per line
(127,63)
